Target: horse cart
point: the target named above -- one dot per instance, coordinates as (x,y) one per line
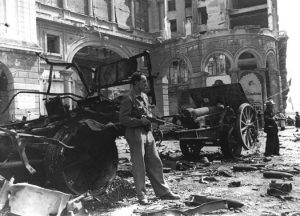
(222,117)
(71,149)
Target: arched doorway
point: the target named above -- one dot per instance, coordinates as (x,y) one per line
(251,79)
(89,58)
(4,96)
(218,66)
(247,61)
(253,89)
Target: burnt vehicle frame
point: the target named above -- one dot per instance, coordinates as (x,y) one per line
(232,126)
(70,150)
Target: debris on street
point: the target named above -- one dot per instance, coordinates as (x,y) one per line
(236,187)
(276,174)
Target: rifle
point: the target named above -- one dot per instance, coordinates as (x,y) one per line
(160,121)
(142,113)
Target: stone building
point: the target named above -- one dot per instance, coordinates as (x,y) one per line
(193,43)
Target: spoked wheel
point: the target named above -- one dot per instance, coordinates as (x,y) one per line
(230,147)
(90,166)
(190,148)
(246,126)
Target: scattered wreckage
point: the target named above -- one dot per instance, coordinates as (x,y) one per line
(74,150)
(71,150)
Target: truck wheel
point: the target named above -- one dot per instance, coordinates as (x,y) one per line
(90,166)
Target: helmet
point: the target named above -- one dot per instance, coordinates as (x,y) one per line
(270,102)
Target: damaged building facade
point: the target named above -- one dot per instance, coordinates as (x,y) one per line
(192,43)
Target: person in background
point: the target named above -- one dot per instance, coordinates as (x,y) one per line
(297,121)
(271,128)
(134,111)
(281,120)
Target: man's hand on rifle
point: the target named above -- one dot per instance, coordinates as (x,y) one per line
(145,121)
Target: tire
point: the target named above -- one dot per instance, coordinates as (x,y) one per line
(246,126)
(90,166)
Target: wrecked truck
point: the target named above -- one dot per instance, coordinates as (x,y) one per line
(72,150)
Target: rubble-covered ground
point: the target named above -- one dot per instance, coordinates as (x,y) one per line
(208,175)
(217,179)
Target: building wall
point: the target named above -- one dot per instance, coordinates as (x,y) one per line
(197,51)
(17,57)
(226,29)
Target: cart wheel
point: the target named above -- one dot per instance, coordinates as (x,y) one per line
(230,147)
(246,126)
(158,136)
(84,168)
(190,148)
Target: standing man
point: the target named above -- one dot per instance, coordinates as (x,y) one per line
(144,156)
(271,128)
(297,121)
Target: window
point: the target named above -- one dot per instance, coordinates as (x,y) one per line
(202,16)
(171,5)
(188,3)
(53,44)
(173,25)
(247,61)
(178,72)
(54,3)
(218,64)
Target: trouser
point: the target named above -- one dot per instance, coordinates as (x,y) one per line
(145,159)
(272,143)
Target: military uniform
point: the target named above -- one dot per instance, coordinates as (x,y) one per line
(144,155)
(271,128)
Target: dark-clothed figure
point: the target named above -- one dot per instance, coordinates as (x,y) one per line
(144,156)
(297,121)
(271,128)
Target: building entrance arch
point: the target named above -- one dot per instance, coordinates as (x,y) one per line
(253,87)
(5,86)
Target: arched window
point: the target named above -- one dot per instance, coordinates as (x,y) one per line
(217,64)
(247,61)
(178,72)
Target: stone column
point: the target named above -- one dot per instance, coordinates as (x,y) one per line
(270,14)
(234,75)
(166,21)
(275,88)
(162,99)
(133,14)
(202,80)
(159,8)
(67,86)
(90,8)
(65,4)
(113,12)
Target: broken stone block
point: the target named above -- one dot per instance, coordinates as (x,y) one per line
(243,168)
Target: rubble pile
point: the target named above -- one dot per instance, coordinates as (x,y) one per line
(119,190)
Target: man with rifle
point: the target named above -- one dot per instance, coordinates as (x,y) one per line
(135,115)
